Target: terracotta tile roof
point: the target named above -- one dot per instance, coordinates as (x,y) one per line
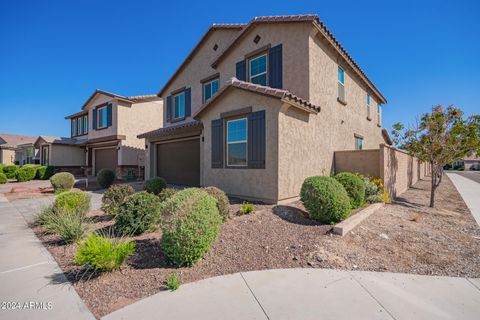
(179,128)
(61,140)
(303,18)
(144,98)
(282,94)
(189,58)
(130,99)
(14,140)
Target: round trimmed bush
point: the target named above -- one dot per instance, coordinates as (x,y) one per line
(105,178)
(113,198)
(26,173)
(11,171)
(139,212)
(192,229)
(44,172)
(3,178)
(62,181)
(155,185)
(73,201)
(355,187)
(325,199)
(222,201)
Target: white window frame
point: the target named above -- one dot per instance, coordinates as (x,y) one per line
(175,105)
(74,127)
(237,142)
(258,74)
(205,84)
(343,70)
(99,124)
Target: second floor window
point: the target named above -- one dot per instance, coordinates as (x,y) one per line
(379,116)
(258,70)
(368,105)
(209,89)
(341,84)
(74,127)
(102,117)
(85,124)
(237,142)
(80,126)
(179,106)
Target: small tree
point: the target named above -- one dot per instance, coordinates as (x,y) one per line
(440,137)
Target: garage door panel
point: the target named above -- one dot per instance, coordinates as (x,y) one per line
(179,162)
(106,159)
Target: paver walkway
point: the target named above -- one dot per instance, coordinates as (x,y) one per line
(470,192)
(30,279)
(313,294)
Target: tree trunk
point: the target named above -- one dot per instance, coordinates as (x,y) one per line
(433,186)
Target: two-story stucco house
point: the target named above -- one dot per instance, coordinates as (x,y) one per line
(256,108)
(104,135)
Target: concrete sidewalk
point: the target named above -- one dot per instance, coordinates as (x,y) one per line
(470,192)
(313,294)
(32,286)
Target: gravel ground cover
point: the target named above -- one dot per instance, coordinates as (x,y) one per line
(405,236)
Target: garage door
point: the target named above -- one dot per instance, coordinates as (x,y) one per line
(179,162)
(105,159)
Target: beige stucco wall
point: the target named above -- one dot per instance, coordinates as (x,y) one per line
(109,131)
(366,162)
(294,40)
(7,156)
(400,170)
(133,120)
(61,155)
(199,68)
(259,184)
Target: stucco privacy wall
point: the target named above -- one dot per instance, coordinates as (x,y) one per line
(61,155)
(366,162)
(133,120)
(259,184)
(400,170)
(199,67)
(397,169)
(294,40)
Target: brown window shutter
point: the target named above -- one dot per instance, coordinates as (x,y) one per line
(217,143)
(256,140)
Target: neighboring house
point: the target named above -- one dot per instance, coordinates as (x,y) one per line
(469,163)
(256,108)
(104,135)
(27,154)
(12,147)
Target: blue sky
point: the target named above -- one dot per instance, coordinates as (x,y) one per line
(54,54)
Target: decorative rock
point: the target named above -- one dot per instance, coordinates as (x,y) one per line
(384,236)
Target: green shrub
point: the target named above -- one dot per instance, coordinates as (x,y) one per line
(247,208)
(171,205)
(115,196)
(25,173)
(192,229)
(139,212)
(1,167)
(11,171)
(173,281)
(62,180)
(325,199)
(73,201)
(44,217)
(3,178)
(103,254)
(155,185)
(355,187)
(44,172)
(105,178)
(166,194)
(223,204)
(70,226)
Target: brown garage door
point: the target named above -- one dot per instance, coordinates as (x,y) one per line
(179,162)
(105,158)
